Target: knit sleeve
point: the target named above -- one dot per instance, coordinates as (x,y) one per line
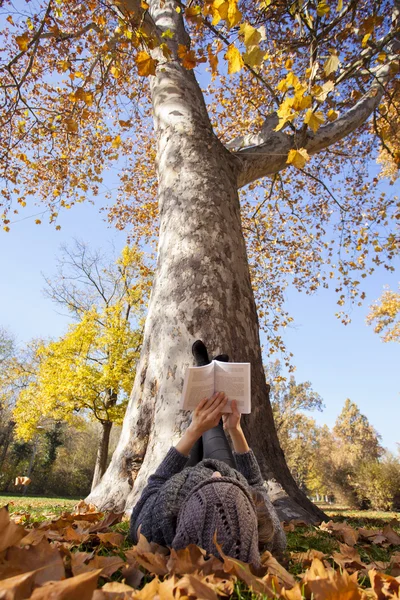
(247,465)
(173,463)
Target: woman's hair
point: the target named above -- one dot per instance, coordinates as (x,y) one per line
(265,524)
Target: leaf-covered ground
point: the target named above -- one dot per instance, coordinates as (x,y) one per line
(55,548)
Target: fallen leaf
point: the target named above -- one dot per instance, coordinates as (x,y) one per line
(274,568)
(34,537)
(394,564)
(107,565)
(342,531)
(111,539)
(10,533)
(195,587)
(323,583)
(114,591)
(348,557)
(384,586)
(306,558)
(17,587)
(372,535)
(149,591)
(390,534)
(108,520)
(80,587)
(22,481)
(187,560)
(42,557)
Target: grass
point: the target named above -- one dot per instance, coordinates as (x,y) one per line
(301,539)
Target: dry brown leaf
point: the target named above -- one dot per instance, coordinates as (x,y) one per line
(221,585)
(394,564)
(113,591)
(111,539)
(33,537)
(374,536)
(274,568)
(384,586)
(132,575)
(42,557)
(82,508)
(323,583)
(342,531)
(74,588)
(10,533)
(17,587)
(73,535)
(390,534)
(108,520)
(154,562)
(243,572)
(22,481)
(78,559)
(348,557)
(187,560)
(193,586)
(107,565)
(149,591)
(306,558)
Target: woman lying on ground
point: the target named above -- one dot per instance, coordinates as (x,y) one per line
(202,487)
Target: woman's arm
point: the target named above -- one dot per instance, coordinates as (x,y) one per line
(207,415)
(246,461)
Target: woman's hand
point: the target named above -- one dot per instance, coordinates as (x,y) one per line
(208,413)
(232,420)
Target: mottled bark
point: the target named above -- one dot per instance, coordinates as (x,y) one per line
(102,453)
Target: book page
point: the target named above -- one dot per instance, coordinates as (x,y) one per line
(234,380)
(199,384)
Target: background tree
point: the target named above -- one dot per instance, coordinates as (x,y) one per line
(297,433)
(91,369)
(297,81)
(385,316)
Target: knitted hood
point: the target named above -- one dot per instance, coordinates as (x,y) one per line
(221,506)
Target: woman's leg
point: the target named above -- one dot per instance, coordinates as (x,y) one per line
(216,445)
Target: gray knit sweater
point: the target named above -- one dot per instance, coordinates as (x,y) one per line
(158,507)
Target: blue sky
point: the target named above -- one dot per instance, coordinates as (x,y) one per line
(340,361)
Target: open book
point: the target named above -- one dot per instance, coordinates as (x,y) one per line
(231,378)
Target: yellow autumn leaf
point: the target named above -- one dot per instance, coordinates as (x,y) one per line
(314,119)
(332,63)
(187,57)
(145,64)
(322,8)
(289,63)
(213,59)
(72,126)
(234,58)
(332,115)
(251,35)
(234,15)
(298,158)
(339,7)
(285,113)
(193,13)
(116,142)
(22,41)
(301,102)
(144,5)
(254,57)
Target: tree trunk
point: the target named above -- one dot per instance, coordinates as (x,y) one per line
(201,290)
(102,453)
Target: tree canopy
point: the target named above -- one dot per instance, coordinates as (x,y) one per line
(289,87)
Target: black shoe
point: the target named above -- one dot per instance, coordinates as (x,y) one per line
(200,354)
(222,357)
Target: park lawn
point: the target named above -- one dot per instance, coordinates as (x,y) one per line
(302,539)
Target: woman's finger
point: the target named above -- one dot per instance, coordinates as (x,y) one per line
(218,409)
(235,408)
(216,400)
(201,405)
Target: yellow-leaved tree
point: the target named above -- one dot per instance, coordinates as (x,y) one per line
(90,370)
(385,316)
(241,132)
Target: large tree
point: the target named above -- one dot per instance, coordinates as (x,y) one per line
(299,80)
